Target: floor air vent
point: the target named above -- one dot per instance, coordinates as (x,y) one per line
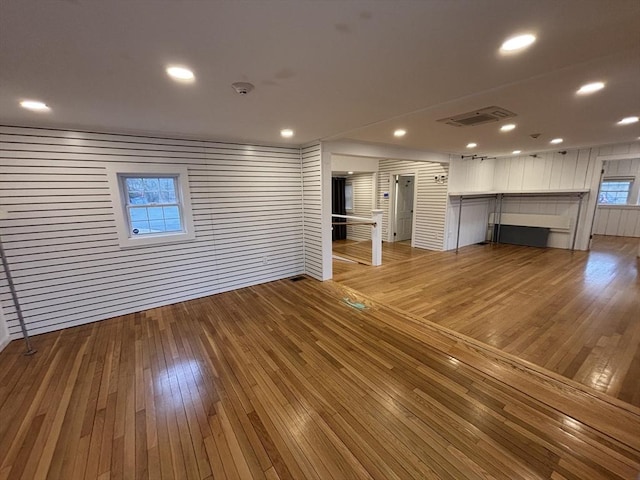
(298,278)
(478,117)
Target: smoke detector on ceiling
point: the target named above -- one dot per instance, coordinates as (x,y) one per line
(478,117)
(242,88)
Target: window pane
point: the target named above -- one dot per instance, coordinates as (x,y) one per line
(157,226)
(138,214)
(171,212)
(614,192)
(134,184)
(140,226)
(136,198)
(151,197)
(167,183)
(155,213)
(151,184)
(167,196)
(173,225)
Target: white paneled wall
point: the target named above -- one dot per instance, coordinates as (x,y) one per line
(618,221)
(363,203)
(471,175)
(473,224)
(60,233)
(431,200)
(549,171)
(312,206)
(544,172)
(625,149)
(559,206)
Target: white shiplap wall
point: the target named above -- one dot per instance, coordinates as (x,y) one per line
(469,175)
(312,207)
(431,200)
(545,172)
(618,221)
(548,171)
(363,203)
(60,233)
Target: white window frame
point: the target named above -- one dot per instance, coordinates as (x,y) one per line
(631,181)
(116,174)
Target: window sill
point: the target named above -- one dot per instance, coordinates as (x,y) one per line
(155,240)
(625,207)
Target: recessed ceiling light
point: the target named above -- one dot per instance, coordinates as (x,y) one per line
(286,133)
(516,152)
(555,141)
(508,127)
(181,74)
(34,105)
(590,88)
(517,43)
(400,132)
(628,120)
(472,145)
(350,173)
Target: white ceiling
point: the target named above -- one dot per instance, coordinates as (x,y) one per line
(327,69)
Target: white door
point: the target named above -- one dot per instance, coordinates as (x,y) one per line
(404,207)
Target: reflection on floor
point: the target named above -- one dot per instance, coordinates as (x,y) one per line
(361,251)
(287,381)
(576,314)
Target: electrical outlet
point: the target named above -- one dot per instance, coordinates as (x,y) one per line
(265,260)
(3,214)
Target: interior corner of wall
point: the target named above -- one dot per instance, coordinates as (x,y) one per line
(5,338)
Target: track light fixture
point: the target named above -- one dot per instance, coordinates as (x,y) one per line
(476,157)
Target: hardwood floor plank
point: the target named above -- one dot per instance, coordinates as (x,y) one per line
(576,314)
(287,381)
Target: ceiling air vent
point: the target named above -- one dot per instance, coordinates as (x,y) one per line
(478,117)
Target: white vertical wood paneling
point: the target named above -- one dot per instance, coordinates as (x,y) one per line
(546,171)
(473,224)
(312,209)
(60,232)
(620,149)
(471,175)
(431,200)
(619,221)
(363,203)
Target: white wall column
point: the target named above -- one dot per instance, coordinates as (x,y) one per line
(376,238)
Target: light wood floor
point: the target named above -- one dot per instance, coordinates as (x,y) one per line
(287,381)
(576,314)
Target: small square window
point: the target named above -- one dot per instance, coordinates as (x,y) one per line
(152,204)
(155,209)
(615,191)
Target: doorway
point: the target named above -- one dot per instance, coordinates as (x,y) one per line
(404,193)
(338,207)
